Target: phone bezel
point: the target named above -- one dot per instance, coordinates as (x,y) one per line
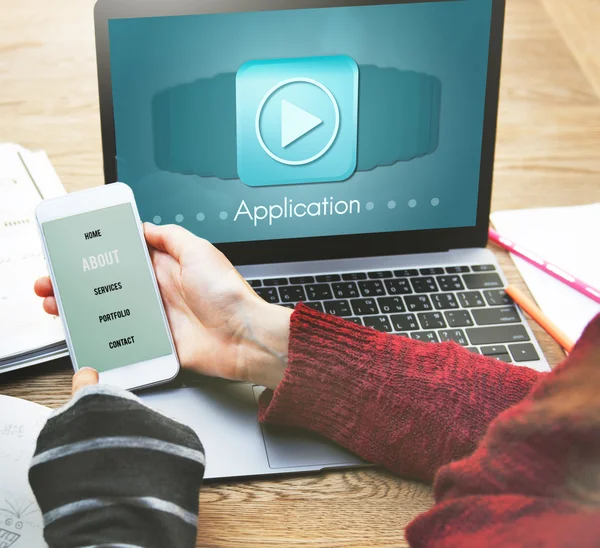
(130,377)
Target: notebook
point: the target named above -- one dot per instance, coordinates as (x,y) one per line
(27,334)
(569,238)
(21,523)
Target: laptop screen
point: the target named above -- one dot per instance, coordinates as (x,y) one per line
(303,123)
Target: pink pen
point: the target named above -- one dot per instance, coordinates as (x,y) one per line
(549,268)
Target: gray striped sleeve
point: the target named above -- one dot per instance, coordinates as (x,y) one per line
(109,471)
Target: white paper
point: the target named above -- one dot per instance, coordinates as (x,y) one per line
(567,237)
(25,179)
(42,173)
(21,523)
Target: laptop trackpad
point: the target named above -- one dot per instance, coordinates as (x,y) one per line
(295,448)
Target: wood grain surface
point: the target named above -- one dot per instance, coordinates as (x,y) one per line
(548,154)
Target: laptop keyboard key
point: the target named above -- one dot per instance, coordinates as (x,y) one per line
(345,290)
(473,349)
(459,318)
(269,294)
(450,283)
(497,298)
(404,322)
(275,281)
(431,271)
(292,294)
(493,316)
(499,353)
(471,299)
(354,277)
(254,283)
(381,323)
(319,292)
(418,303)
(457,269)
(380,275)
(338,308)
(456,335)
(327,278)
(497,350)
(364,307)
(502,358)
(371,289)
(425,336)
(482,281)
(524,352)
(400,286)
(302,280)
(444,301)
(357,321)
(316,306)
(424,285)
(484,268)
(497,334)
(289,305)
(405,273)
(390,305)
(432,320)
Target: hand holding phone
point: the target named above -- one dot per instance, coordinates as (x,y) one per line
(220,326)
(105,287)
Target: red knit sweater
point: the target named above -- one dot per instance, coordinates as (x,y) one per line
(529,442)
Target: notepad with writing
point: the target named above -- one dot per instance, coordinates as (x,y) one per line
(21,523)
(569,238)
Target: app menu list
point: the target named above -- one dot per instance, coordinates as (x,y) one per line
(105,260)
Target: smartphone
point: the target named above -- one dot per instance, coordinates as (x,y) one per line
(105,287)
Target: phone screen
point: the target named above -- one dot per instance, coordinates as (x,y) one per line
(111,308)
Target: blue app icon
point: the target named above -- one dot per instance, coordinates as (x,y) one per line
(297,120)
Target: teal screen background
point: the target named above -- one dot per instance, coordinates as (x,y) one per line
(423,71)
(130,280)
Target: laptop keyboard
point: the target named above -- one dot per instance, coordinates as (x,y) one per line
(464,304)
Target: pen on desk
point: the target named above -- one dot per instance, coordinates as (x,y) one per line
(545,266)
(532,309)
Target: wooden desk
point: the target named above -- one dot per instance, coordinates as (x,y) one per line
(548,155)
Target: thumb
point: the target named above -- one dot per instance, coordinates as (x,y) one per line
(84,377)
(170,239)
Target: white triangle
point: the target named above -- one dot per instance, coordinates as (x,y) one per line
(295,123)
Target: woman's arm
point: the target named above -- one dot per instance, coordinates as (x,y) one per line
(410,406)
(109,471)
(534,480)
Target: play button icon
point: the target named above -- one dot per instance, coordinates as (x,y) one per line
(295,123)
(297,120)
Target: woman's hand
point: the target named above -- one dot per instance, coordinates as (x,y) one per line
(84,377)
(220,325)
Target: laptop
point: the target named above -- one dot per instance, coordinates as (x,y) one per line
(339,152)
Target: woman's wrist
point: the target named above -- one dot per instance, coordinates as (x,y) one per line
(264,344)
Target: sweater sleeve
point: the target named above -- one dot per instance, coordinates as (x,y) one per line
(109,471)
(410,406)
(534,480)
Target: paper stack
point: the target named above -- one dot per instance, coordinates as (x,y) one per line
(567,237)
(28,335)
